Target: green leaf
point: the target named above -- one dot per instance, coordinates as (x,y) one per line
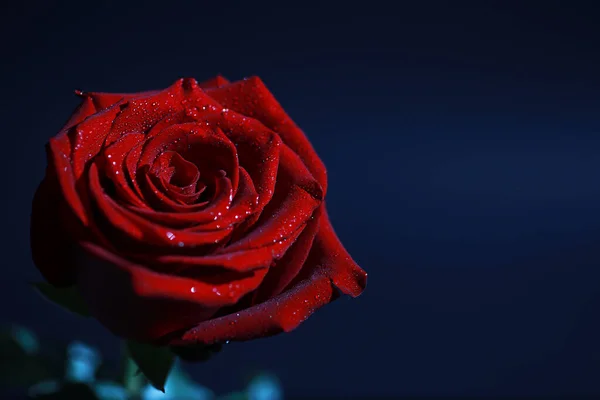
(234,396)
(20,365)
(154,362)
(68,298)
(132,379)
(75,391)
(23,372)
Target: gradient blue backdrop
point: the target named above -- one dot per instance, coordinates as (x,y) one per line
(463,149)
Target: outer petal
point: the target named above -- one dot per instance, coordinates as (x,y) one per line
(137,303)
(328,264)
(297,195)
(87,137)
(104,100)
(50,242)
(252,98)
(280,314)
(289,266)
(329,254)
(142,112)
(215,82)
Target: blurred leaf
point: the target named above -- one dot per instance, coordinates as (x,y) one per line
(82,362)
(132,377)
(69,391)
(20,366)
(44,388)
(26,339)
(68,298)
(154,362)
(179,386)
(264,387)
(10,345)
(234,396)
(23,372)
(107,390)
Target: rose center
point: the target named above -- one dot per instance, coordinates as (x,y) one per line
(179,178)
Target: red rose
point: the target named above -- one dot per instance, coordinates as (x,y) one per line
(191,214)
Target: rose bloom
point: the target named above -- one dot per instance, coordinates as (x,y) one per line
(193,214)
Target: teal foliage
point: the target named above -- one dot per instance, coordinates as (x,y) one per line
(144,372)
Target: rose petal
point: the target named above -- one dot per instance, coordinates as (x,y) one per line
(251,97)
(220,202)
(185,174)
(241,261)
(115,168)
(138,231)
(88,137)
(297,195)
(280,314)
(177,178)
(214,216)
(170,198)
(59,160)
(104,100)
(175,302)
(141,113)
(257,149)
(329,254)
(215,82)
(287,268)
(50,243)
(51,215)
(207,148)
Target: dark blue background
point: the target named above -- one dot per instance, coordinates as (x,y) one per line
(463,149)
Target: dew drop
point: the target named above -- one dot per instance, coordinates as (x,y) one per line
(170,235)
(180,244)
(193,289)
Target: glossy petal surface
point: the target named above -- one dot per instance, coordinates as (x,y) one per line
(190,214)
